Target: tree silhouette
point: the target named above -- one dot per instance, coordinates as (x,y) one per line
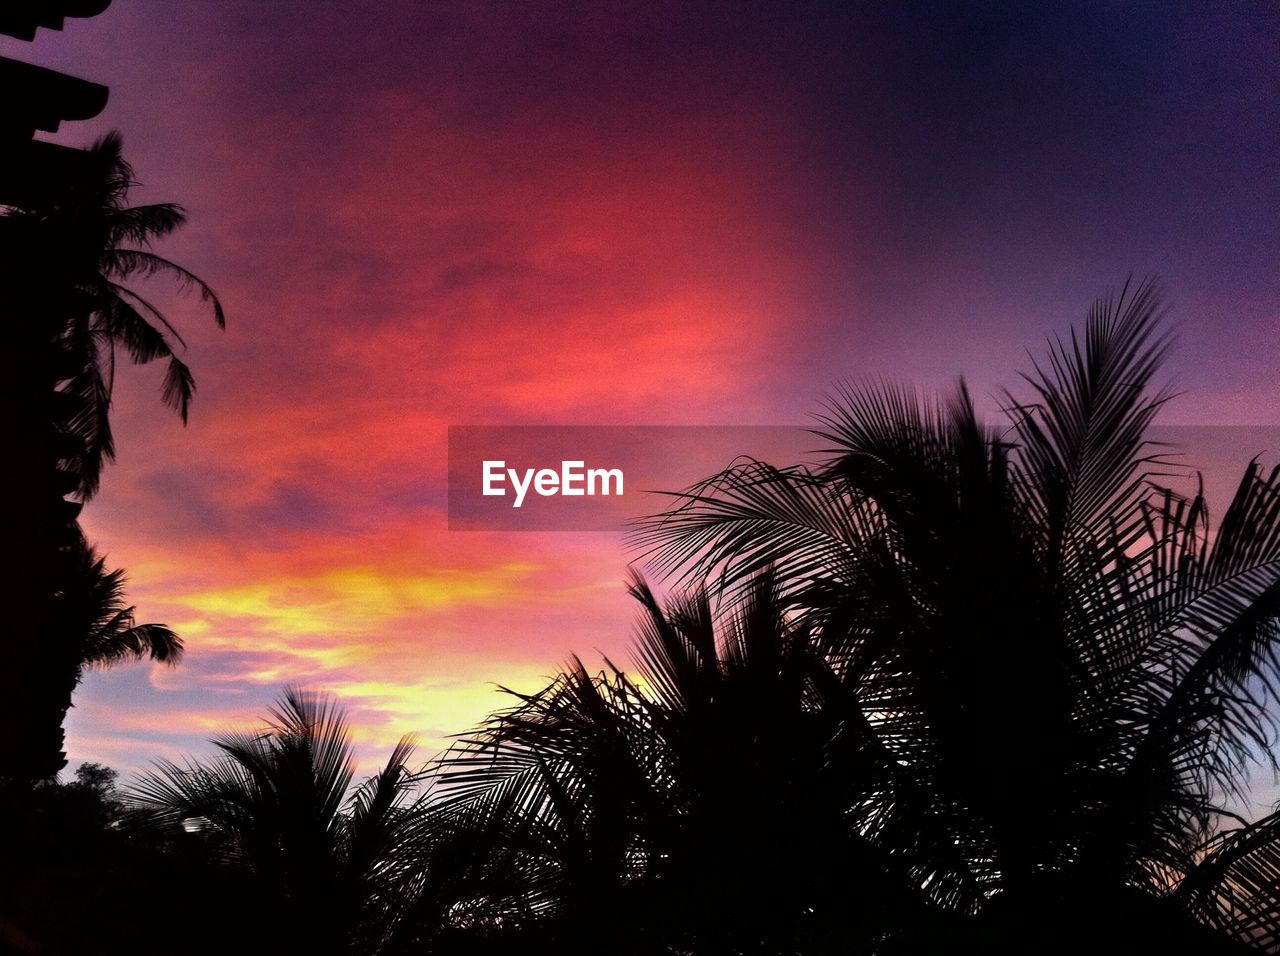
(67,307)
(719,803)
(1069,666)
(69,850)
(102,243)
(274,805)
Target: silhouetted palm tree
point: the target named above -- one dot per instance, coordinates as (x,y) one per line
(275,804)
(1069,666)
(544,803)
(67,307)
(103,243)
(716,805)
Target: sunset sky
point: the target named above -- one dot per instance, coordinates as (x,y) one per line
(423,215)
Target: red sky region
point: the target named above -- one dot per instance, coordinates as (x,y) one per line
(424,215)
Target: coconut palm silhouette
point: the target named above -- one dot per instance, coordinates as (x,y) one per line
(278,806)
(70,304)
(1066,666)
(701,804)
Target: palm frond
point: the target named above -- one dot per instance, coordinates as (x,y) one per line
(1083,455)
(1235,887)
(126,263)
(145,223)
(179,387)
(105,624)
(753,516)
(1220,621)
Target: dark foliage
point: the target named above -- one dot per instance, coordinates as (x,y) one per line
(69,302)
(1068,668)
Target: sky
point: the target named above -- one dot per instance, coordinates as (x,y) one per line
(424,215)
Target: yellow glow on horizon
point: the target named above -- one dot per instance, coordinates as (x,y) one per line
(337,600)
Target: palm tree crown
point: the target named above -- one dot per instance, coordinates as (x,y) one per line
(711,805)
(101,243)
(1066,667)
(277,804)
